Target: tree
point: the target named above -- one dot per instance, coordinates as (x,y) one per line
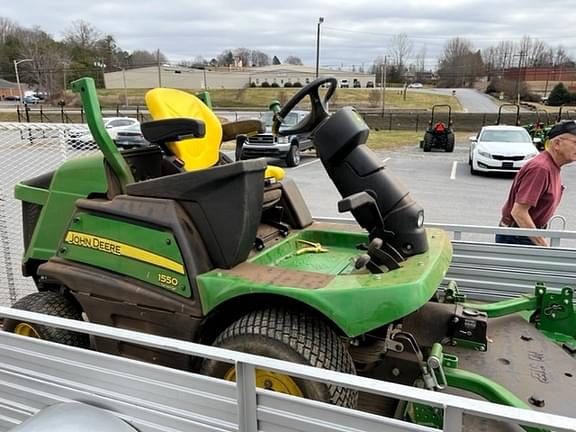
(559,95)
(225,58)
(400,50)
(143,58)
(259,58)
(293,60)
(459,65)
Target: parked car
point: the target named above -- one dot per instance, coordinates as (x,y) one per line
(131,137)
(501,149)
(344,83)
(369,84)
(415,85)
(82,138)
(30,99)
(269,145)
(12,98)
(356,84)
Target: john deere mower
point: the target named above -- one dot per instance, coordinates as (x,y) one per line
(439,134)
(176,240)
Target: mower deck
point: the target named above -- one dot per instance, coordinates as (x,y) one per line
(524,361)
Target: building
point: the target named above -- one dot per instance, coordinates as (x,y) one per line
(224,78)
(541,80)
(8,88)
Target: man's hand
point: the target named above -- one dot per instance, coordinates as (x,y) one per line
(520,213)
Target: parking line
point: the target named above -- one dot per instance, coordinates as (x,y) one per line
(453,173)
(307,163)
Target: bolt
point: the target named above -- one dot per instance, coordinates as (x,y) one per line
(76,219)
(396,372)
(536,401)
(168,241)
(63,250)
(553,315)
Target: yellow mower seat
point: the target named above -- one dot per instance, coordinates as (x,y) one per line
(196,153)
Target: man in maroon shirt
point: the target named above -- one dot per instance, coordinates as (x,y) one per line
(537,188)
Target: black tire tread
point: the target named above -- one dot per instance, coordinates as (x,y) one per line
(306,335)
(50,303)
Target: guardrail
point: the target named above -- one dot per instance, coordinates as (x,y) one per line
(36,373)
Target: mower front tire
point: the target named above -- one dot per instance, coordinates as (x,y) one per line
(293,336)
(48,303)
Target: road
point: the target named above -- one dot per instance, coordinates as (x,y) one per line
(471,100)
(440,182)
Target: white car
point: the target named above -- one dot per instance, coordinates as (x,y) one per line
(79,138)
(415,85)
(501,149)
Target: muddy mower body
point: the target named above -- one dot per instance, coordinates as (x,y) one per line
(177,240)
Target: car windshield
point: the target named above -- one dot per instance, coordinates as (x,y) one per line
(511,136)
(290,120)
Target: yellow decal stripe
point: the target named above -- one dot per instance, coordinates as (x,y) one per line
(121,249)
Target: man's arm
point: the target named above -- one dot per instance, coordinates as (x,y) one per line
(523,220)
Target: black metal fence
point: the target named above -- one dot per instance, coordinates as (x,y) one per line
(389,120)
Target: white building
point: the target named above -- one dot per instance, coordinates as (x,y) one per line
(232,78)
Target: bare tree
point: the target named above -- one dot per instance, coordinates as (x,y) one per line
(259,58)
(7,27)
(459,65)
(293,60)
(400,49)
(143,58)
(242,57)
(421,59)
(82,34)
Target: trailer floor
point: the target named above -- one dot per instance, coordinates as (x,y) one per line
(524,361)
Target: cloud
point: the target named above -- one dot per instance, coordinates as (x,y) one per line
(353,33)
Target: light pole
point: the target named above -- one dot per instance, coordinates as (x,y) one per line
(16,63)
(320,21)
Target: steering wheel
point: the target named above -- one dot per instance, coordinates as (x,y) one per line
(318,110)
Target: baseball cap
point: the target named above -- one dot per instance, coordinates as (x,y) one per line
(565,126)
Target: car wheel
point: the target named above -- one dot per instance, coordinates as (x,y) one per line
(472,170)
(293,156)
(293,336)
(48,303)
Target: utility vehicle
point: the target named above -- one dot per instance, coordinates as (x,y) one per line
(176,240)
(439,134)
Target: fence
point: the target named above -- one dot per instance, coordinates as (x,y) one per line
(389,120)
(28,150)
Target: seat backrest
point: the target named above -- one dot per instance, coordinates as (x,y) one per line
(196,153)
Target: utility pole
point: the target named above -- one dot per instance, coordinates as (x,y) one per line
(16,63)
(520,58)
(320,21)
(383,86)
(159,68)
(124,82)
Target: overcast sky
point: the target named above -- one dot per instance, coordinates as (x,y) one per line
(353,32)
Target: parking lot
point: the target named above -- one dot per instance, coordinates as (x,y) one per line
(440,182)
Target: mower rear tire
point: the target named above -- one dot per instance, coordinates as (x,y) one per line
(450,142)
(293,336)
(48,303)
(427,142)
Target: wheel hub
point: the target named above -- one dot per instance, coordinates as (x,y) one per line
(270,381)
(25,329)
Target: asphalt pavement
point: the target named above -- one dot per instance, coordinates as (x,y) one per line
(441,182)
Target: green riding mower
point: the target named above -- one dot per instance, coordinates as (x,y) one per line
(177,240)
(540,128)
(439,134)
